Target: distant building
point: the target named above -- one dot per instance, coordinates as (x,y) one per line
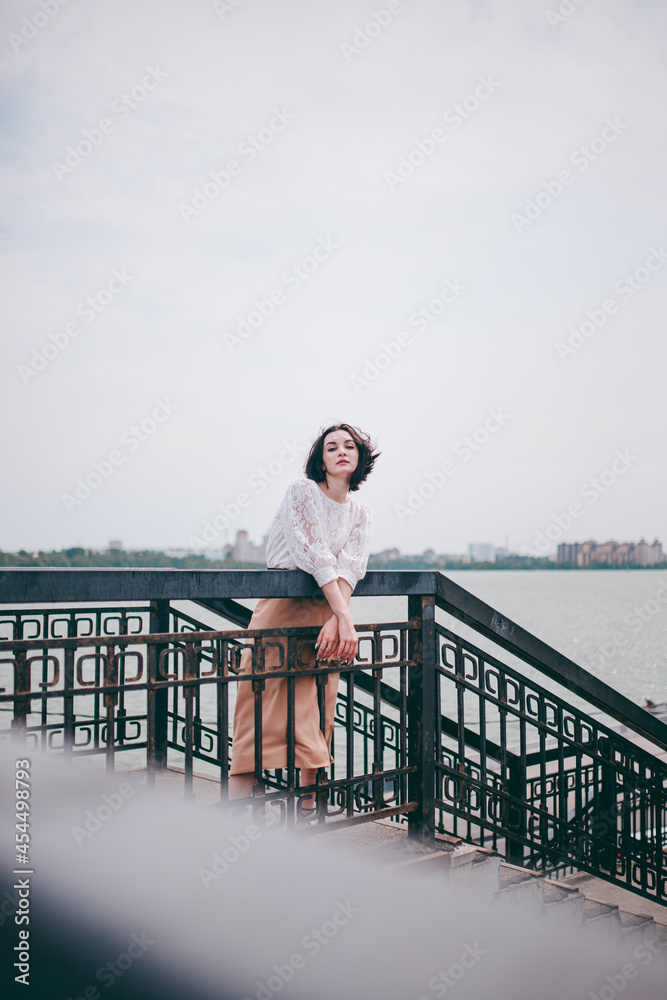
(244,550)
(428,555)
(481,552)
(387,555)
(611,553)
(502,554)
(656,554)
(115,545)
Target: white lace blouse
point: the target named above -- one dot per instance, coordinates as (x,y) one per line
(327,539)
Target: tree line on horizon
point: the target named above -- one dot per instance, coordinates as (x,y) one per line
(150,559)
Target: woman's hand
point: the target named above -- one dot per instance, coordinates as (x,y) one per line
(337,639)
(339,631)
(327,641)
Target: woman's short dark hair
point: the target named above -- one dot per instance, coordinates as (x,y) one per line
(315,464)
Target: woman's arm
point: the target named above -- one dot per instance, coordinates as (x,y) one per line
(305,536)
(307,543)
(338,594)
(338,637)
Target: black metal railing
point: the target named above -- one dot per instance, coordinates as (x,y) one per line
(149,680)
(544,781)
(454,719)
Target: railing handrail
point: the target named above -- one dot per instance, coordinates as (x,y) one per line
(29,585)
(48,584)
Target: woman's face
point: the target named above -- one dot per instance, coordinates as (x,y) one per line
(339,454)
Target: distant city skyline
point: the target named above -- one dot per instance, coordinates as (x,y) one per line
(589,553)
(611,553)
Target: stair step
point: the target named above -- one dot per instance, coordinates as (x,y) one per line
(602,891)
(555,893)
(479,872)
(562,904)
(635,928)
(632,920)
(464,854)
(515,875)
(520,887)
(602,919)
(576,879)
(660,932)
(479,878)
(593,909)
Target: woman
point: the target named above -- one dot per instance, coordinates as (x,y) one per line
(319,528)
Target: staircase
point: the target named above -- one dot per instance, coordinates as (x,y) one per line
(576,901)
(580,901)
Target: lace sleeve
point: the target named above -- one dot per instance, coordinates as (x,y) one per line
(305,535)
(353,557)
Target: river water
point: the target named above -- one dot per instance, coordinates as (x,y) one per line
(612,622)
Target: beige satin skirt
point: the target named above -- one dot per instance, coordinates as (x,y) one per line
(311,744)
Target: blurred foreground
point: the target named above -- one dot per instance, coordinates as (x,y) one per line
(144,896)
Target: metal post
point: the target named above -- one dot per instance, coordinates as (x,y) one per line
(22,705)
(110,679)
(69,720)
(421,719)
(515,812)
(190,671)
(157,704)
(605,821)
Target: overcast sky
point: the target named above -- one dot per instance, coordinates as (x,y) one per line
(434,220)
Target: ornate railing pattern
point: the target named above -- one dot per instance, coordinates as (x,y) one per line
(544,782)
(116,689)
(430,727)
